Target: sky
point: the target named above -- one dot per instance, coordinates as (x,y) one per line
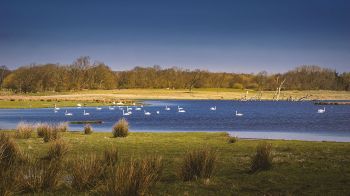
(216,35)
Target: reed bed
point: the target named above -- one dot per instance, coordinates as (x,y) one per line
(121,128)
(24,130)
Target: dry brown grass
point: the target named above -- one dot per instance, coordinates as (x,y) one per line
(198,164)
(24,130)
(88,129)
(133,178)
(62,127)
(110,156)
(86,173)
(57,150)
(9,151)
(50,134)
(262,160)
(121,128)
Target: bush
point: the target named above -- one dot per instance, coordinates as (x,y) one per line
(86,173)
(24,130)
(57,150)
(134,177)
(9,151)
(41,128)
(198,164)
(87,129)
(110,156)
(121,128)
(262,160)
(232,139)
(62,127)
(51,134)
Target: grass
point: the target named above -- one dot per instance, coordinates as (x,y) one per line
(299,167)
(24,130)
(198,164)
(262,160)
(121,128)
(87,129)
(105,97)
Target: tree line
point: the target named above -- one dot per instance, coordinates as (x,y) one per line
(83,74)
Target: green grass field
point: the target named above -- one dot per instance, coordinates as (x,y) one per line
(299,167)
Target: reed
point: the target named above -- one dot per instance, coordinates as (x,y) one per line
(50,134)
(110,156)
(62,127)
(9,151)
(121,128)
(57,150)
(41,128)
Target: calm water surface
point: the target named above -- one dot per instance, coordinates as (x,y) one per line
(264,119)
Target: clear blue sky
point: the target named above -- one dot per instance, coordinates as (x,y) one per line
(218,35)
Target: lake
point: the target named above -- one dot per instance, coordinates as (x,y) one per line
(261,119)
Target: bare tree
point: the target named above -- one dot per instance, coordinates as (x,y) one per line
(195,77)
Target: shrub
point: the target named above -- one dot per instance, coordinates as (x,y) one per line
(121,128)
(38,176)
(50,134)
(86,173)
(41,128)
(57,150)
(24,130)
(62,127)
(198,164)
(134,177)
(110,156)
(232,139)
(262,160)
(9,151)
(87,129)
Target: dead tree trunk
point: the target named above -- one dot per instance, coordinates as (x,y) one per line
(278,90)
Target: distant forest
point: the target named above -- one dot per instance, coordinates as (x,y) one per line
(83,74)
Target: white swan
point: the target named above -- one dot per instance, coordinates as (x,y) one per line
(56,108)
(157,112)
(147,113)
(126,113)
(167,108)
(213,108)
(79,105)
(181,110)
(86,113)
(111,108)
(238,114)
(137,108)
(321,110)
(178,107)
(98,108)
(68,113)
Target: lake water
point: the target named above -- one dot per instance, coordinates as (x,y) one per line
(261,119)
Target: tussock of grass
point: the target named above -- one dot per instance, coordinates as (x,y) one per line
(198,164)
(62,127)
(9,151)
(41,128)
(110,156)
(121,128)
(38,176)
(87,129)
(24,130)
(86,173)
(57,150)
(262,160)
(133,178)
(232,139)
(50,134)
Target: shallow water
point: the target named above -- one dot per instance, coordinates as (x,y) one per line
(263,119)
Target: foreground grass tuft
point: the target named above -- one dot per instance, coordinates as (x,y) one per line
(262,160)
(24,130)
(50,134)
(232,139)
(198,164)
(9,151)
(121,128)
(110,156)
(133,178)
(86,172)
(57,150)
(62,127)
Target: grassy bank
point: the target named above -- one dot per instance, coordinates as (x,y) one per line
(105,97)
(299,168)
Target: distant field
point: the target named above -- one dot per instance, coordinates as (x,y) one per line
(100,97)
(299,168)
